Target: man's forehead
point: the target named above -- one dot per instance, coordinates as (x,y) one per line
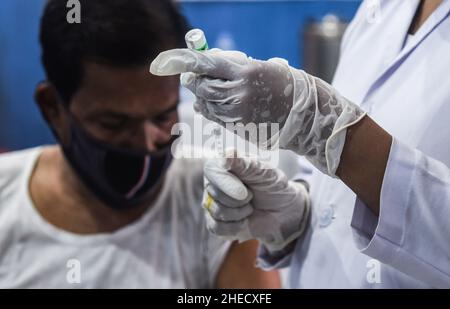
(131,79)
(130,90)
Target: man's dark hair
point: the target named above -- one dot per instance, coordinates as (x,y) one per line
(119,33)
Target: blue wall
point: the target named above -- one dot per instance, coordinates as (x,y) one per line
(262,29)
(20,71)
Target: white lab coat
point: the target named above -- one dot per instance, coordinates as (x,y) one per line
(406,90)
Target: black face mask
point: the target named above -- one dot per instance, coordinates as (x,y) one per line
(121,178)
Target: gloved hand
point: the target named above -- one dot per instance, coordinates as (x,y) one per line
(247,199)
(231,87)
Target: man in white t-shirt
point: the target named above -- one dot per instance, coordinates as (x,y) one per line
(109,207)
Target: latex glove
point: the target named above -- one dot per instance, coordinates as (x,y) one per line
(231,87)
(246,199)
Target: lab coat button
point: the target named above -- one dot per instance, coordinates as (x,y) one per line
(326,217)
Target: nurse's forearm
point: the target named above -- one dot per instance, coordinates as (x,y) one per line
(364,159)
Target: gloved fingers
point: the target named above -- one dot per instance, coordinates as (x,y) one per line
(242,167)
(226,94)
(225,113)
(235,56)
(257,175)
(189,81)
(224,186)
(217,90)
(220,115)
(224,213)
(232,55)
(225,229)
(202,107)
(215,50)
(260,222)
(232,164)
(279,61)
(211,89)
(177,61)
(217,194)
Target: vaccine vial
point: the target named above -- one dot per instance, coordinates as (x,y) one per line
(196,40)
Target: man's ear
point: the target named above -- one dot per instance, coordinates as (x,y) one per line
(52,109)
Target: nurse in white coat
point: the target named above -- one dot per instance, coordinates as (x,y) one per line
(378,209)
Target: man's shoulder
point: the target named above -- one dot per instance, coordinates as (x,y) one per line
(14,164)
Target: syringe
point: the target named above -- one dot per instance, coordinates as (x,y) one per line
(196,40)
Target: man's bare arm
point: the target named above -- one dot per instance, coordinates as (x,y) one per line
(239,270)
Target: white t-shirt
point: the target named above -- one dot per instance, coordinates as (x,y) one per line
(168,247)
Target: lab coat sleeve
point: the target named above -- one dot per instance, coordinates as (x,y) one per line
(412,232)
(274,260)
